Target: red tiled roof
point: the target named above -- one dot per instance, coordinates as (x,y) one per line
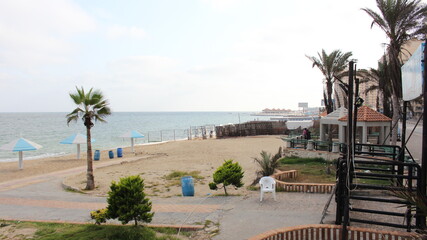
(366,114)
(323,114)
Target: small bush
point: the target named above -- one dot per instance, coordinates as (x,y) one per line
(127,201)
(228,174)
(100,216)
(268,164)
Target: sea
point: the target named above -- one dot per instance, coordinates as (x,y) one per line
(49,129)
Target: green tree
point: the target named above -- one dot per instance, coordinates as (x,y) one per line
(127,201)
(268,164)
(401,21)
(91,107)
(330,65)
(228,174)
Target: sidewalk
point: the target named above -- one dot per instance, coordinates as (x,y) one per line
(42,198)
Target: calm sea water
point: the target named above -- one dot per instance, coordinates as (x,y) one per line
(48,129)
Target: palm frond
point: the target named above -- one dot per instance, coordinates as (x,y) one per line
(92,105)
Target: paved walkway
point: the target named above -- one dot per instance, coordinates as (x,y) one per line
(42,198)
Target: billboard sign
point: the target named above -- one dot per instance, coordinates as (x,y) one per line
(412,75)
(303,105)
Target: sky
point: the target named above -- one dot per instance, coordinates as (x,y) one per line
(168,55)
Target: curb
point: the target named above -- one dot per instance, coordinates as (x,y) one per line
(69,188)
(182,227)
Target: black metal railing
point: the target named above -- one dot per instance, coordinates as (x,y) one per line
(381,169)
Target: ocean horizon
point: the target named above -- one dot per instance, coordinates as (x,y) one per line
(49,128)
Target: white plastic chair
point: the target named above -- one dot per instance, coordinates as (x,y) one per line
(267,184)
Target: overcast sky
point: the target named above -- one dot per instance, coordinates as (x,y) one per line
(187,55)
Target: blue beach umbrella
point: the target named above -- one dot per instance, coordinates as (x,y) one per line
(78,139)
(132,135)
(20,145)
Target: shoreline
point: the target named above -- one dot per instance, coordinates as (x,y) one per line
(82,152)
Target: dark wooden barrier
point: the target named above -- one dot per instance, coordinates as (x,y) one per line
(252,129)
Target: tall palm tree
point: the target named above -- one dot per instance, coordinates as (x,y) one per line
(330,65)
(91,107)
(401,21)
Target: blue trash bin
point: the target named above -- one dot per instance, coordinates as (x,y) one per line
(187,186)
(111,154)
(97,155)
(119,152)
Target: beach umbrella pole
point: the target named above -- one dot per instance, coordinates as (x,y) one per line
(21,162)
(131,144)
(78,151)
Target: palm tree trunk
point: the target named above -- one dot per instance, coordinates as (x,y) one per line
(329,104)
(90,183)
(377,104)
(337,99)
(395,119)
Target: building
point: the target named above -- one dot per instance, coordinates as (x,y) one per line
(372,98)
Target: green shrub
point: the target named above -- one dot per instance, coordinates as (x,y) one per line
(127,201)
(268,164)
(228,174)
(100,216)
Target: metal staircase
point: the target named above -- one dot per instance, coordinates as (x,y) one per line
(372,178)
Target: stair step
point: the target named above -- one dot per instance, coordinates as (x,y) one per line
(376,199)
(378,212)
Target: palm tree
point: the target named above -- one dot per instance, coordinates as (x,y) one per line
(330,65)
(268,164)
(91,106)
(401,21)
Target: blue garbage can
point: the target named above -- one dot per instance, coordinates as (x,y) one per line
(111,154)
(119,152)
(187,186)
(97,155)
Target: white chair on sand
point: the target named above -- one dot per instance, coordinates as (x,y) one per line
(267,184)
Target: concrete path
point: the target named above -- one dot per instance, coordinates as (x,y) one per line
(42,198)
(244,217)
(240,217)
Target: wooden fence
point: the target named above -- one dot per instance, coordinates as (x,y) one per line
(304,187)
(333,232)
(252,129)
(283,175)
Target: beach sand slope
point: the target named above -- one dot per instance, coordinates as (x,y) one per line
(203,156)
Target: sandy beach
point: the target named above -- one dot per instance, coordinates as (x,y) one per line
(154,162)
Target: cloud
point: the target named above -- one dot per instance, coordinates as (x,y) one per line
(145,68)
(38,33)
(118,31)
(222,5)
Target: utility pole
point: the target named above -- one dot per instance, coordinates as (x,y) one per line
(422,221)
(350,139)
